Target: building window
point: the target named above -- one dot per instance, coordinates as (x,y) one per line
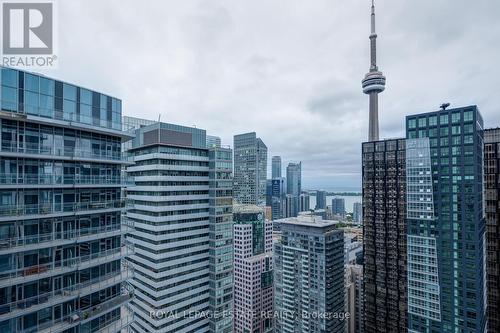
(412,123)
(422,122)
(443,119)
(468,116)
(432,120)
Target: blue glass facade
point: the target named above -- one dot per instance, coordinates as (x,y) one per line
(28,93)
(61,245)
(456,229)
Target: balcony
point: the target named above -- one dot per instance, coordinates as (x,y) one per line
(115,326)
(53,116)
(36,272)
(27,243)
(70,153)
(80,316)
(10,212)
(28,305)
(52,180)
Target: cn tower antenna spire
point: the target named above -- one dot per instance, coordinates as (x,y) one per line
(373,16)
(374,82)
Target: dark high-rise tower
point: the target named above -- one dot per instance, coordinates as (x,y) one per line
(373,83)
(384,234)
(492,193)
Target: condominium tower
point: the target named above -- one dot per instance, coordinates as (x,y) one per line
(357,212)
(61,245)
(338,206)
(309,276)
(250,169)
(355,298)
(253,270)
(492,197)
(320,199)
(181,206)
(446,223)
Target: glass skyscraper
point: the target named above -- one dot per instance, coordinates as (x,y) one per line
(492,197)
(276,167)
(320,199)
(61,245)
(338,206)
(293,187)
(384,234)
(250,169)
(278,198)
(446,223)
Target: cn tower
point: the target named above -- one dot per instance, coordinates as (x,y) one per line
(374,82)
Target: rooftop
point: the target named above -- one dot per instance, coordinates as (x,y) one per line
(308,221)
(239,208)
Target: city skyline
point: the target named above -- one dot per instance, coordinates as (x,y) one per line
(208,47)
(233,211)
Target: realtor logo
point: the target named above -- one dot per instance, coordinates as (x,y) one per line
(28,34)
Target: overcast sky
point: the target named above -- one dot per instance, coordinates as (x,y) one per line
(289,70)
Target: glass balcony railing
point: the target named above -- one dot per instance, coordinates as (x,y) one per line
(6,277)
(76,317)
(54,208)
(60,115)
(70,235)
(73,152)
(64,294)
(64,180)
(111,326)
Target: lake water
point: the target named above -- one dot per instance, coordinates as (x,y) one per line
(349,201)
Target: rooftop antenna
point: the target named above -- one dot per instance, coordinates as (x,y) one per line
(444,106)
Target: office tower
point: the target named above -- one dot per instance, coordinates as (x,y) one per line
(294,186)
(213,141)
(384,228)
(253,270)
(354,289)
(276,167)
(309,276)
(220,191)
(304,202)
(492,193)
(250,169)
(294,178)
(61,246)
(320,199)
(269,192)
(338,207)
(278,198)
(373,83)
(181,207)
(357,212)
(291,205)
(446,224)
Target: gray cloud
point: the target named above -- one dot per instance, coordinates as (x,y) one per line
(289,70)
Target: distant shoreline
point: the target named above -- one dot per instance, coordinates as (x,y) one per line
(344,194)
